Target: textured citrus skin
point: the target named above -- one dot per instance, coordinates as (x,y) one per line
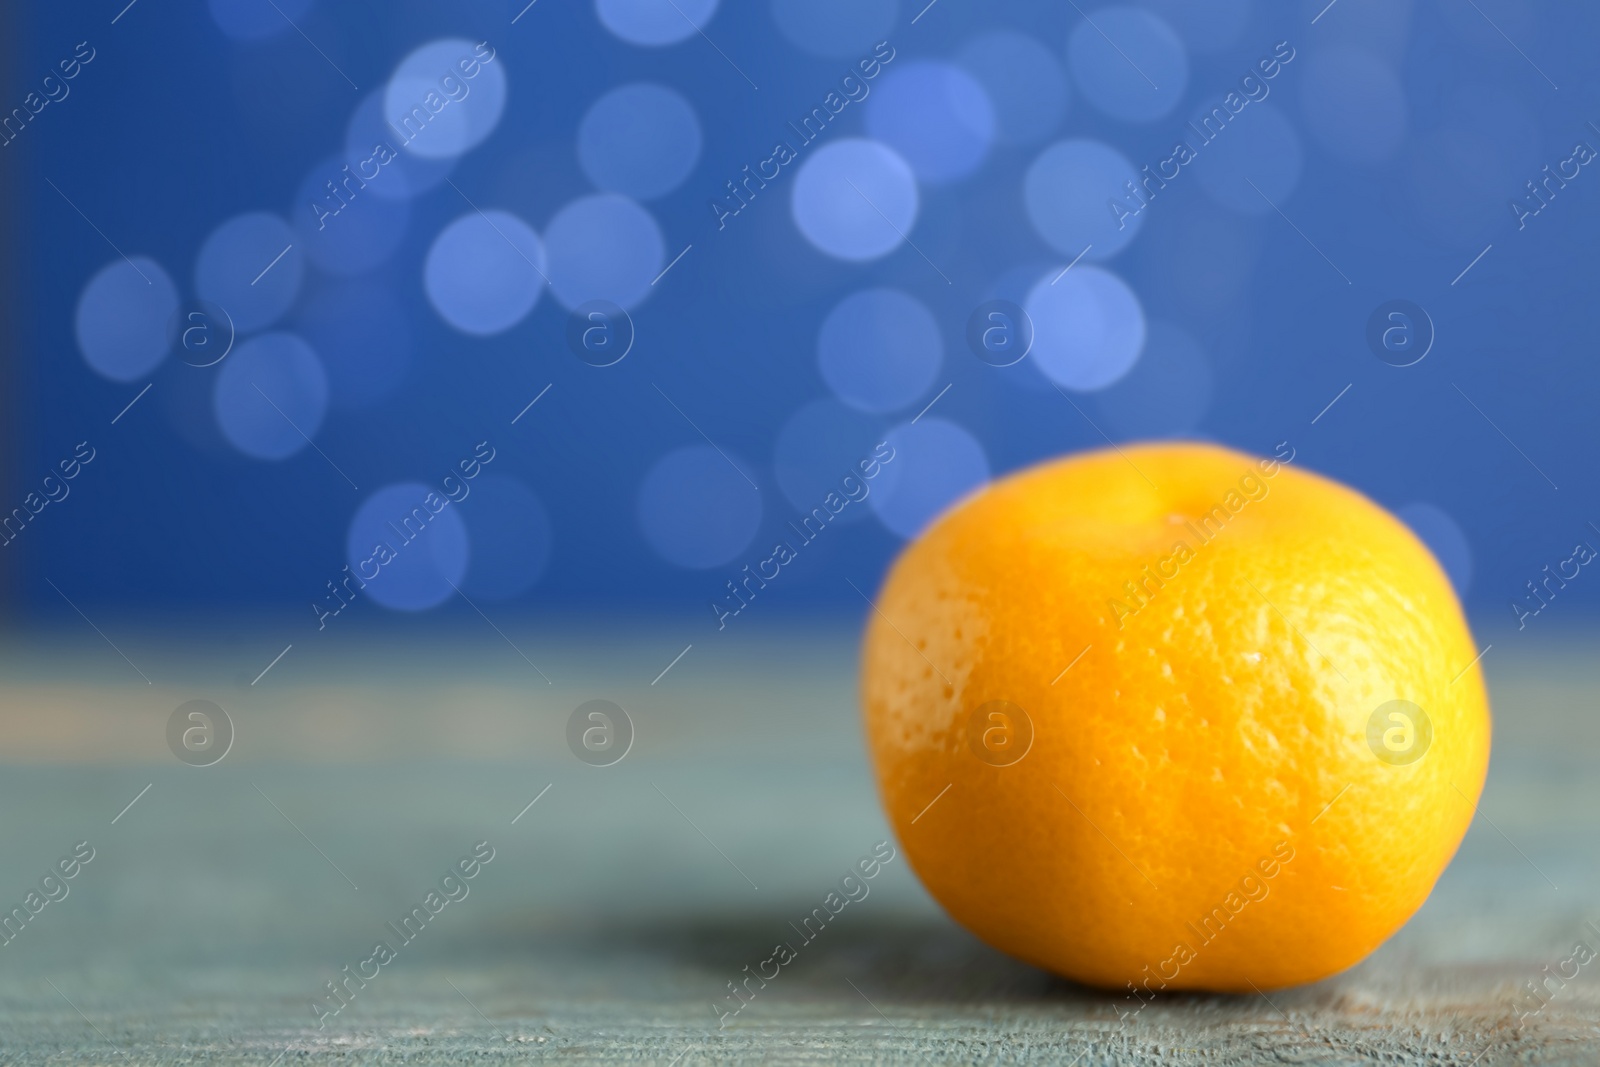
(1170,826)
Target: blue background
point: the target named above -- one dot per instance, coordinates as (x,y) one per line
(176,127)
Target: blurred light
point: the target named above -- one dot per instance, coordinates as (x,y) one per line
(820,444)
(652,23)
(1208,27)
(1088,328)
(1444,538)
(511,537)
(124,318)
(855,199)
(1068,189)
(879,349)
(248,267)
(363,333)
(256,20)
(1023,80)
(935,464)
(1014,286)
(603,247)
(696,509)
(484,272)
(935,115)
(344,228)
(270,396)
(1129,63)
(371,143)
(835,29)
(641,140)
(445,98)
(1354,104)
(410,555)
(1167,392)
(1259,146)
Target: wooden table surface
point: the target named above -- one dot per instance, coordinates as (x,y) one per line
(619,906)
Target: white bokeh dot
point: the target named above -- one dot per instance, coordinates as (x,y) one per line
(821,445)
(249,268)
(696,509)
(603,247)
(511,536)
(935,463)
(1129,63)
(1444,538)
(936,115)
(879,349)
(270,396)
(445,97)
(1254,164)
(372,148)
(408,543)
(855,199)
(835,29)
(1353,103)
(484,272)
(1024,80)
(1068,190)
(123,320)
(653,23)
(641,140)
(1088,327)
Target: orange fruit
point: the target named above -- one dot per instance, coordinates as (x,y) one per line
(1175,717)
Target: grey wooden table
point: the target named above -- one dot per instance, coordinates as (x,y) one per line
(620,905)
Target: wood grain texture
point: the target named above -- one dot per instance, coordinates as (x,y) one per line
(619,906)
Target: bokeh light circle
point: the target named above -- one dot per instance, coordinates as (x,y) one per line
(511,537)
(249,266)
(1067,191)
(364,334)
(1088,328)
(641,140)
(1024,81)
(1353,104)
(1167,391)
(1254,165)
(696,509)
(603,247)
(879,349)
(372,148)
(1129,63)
(818,448)
(835,29)
(123,317)
(484,272)
(935,463)
(270,396)
(936,116)
(408,543)
(855,199)
(1444,538)
(654,23)
(445,97)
